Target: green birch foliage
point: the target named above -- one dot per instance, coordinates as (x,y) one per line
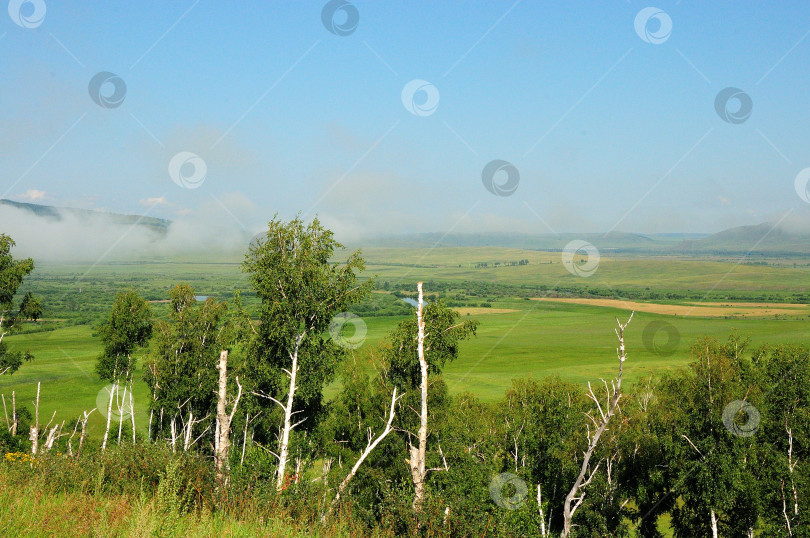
(301,289)
(12,274)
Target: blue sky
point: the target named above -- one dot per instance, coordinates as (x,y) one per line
(607,131)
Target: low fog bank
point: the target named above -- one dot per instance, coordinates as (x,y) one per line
(94,237)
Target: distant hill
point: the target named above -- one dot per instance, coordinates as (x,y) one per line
(612,241)
(757,240)
(55,213)
(761,239)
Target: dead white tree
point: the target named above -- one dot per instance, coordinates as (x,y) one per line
(83,421)
(791,469)
(53,435)
(417,454)
(416,462)
(35,427)
(222,439)
(576,496)
(113,390)
(283,455)
(15,420)
(369,447)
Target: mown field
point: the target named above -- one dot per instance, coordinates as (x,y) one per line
(517,337)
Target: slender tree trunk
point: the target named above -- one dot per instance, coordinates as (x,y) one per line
(14,420)
(576,496)
(222,441)
(5,412)
(714,524)
(540,508)
(132,409)
(283,453)
(244,440)
(35,427)
(120,403)
(189,426)
(84,432)
(417,454)
(174,434)
(113,390)
(369,447)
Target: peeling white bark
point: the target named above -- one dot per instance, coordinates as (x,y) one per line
(417,453)
(223,429)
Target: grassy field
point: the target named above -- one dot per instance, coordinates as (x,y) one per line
(537,339)
(517,337)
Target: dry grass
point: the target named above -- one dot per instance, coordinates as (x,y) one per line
(706,310)
(475,310)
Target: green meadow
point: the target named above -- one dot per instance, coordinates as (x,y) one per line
(516,338)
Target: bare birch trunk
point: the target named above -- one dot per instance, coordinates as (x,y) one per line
(187,434)
(369,447)
(14,420)
(35,427)
(283,453)
(174,434)
(540,508)
(132,409)
(222,435)
(244,440)
(84,431)
(714,524)
(113,390)
(576,496)
(5,412)
(120,403)
(53,434)
(417,454)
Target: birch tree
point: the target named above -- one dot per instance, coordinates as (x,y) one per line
(599,423)
(421,346)
(291,357)
(127,329)
(224,420)
(181,369)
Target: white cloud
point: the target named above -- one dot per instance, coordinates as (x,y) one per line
(149,202)
(33,195)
